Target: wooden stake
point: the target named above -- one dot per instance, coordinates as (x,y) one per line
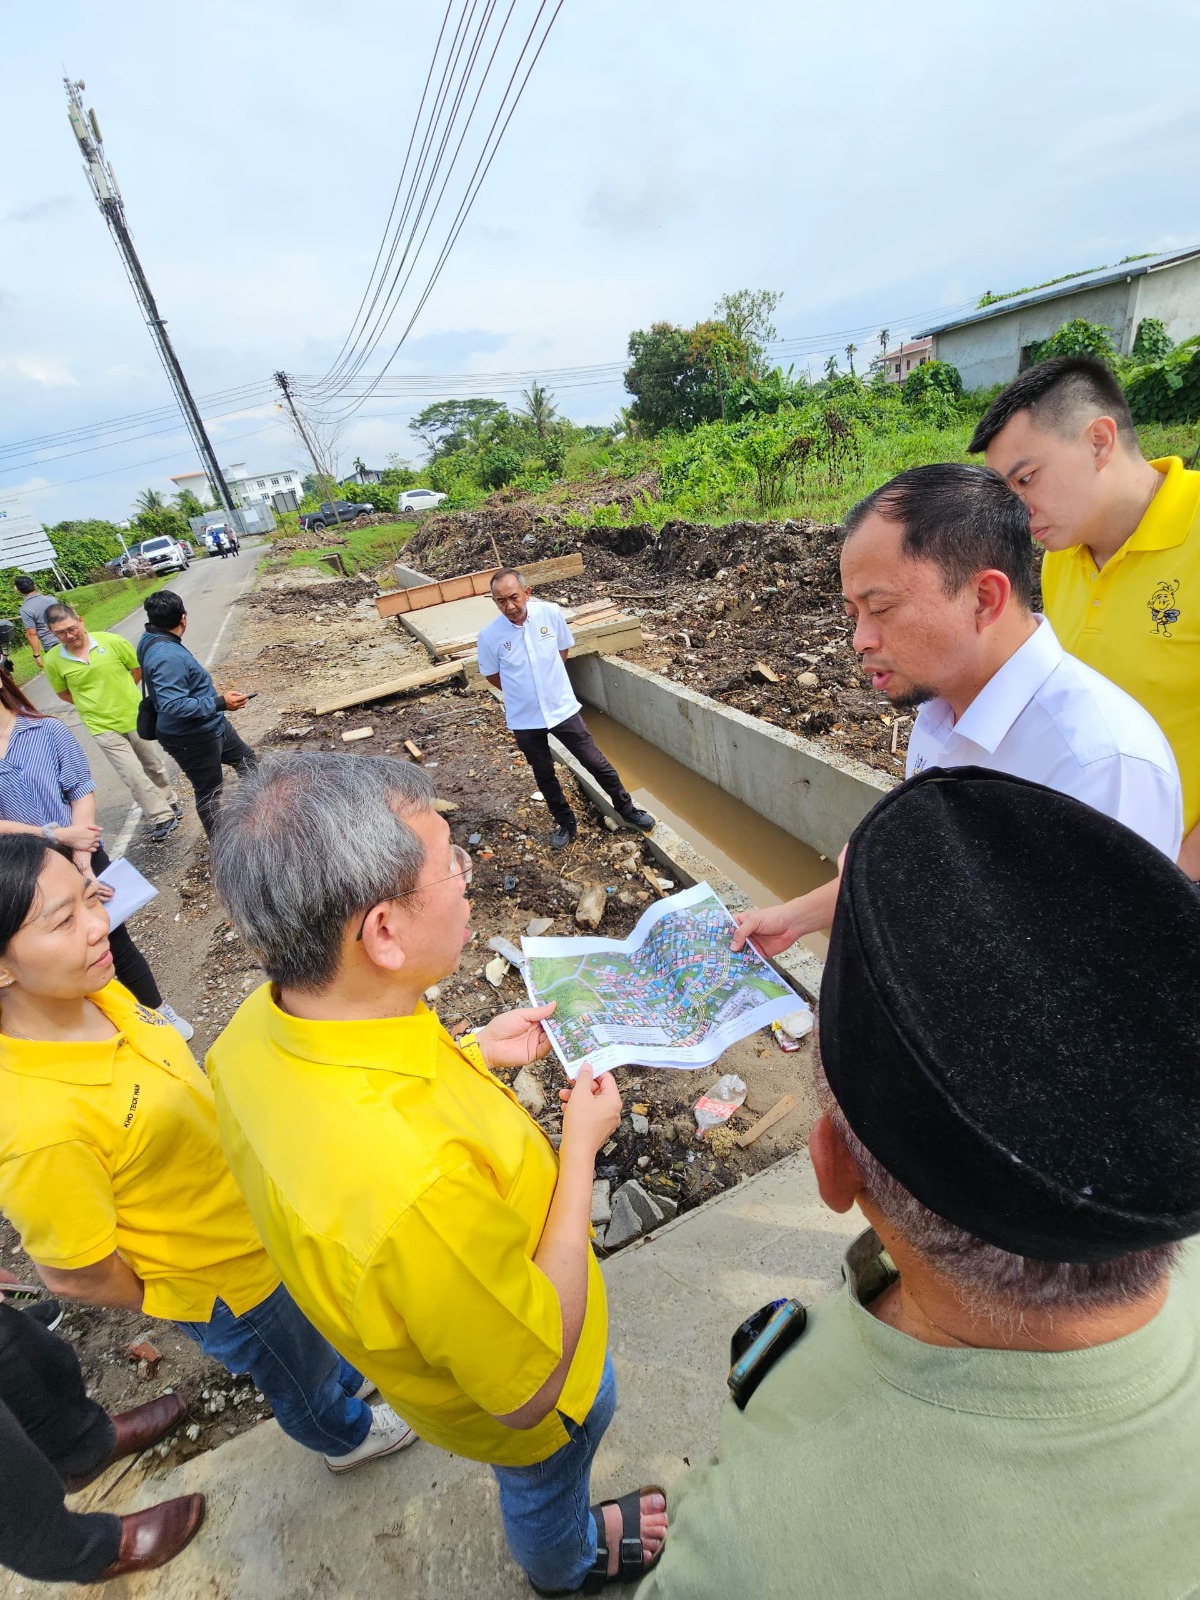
(768,1120)
(379,691)
(413,751)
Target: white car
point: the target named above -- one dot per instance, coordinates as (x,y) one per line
(165,554)
(419,500)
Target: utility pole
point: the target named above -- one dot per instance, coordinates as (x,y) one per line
(103,183)
(285,389)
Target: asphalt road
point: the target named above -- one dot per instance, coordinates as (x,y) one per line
(208,588)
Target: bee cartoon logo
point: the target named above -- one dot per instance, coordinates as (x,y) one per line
(1163,611)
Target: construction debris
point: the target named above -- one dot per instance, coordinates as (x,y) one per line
(768,1120)
(591,906)
(399,602)
(354,734)
(380,691)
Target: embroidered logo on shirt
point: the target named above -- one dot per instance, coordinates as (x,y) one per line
(918,765)
(152,1017)
(508,644)
(137,1089)
(545,631)
(1162,610)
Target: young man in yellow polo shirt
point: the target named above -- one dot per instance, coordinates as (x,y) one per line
(421,1219)
(1121,577)
(111,1167)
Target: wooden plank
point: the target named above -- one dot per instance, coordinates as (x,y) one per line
(358,733)
(609,639)
(379,691)
(768,1120)
(414,751)
(654,883)
(398,602)
(580,625)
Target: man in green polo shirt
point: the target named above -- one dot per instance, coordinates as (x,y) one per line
(98,674)
(1003,1402)
(1121,578)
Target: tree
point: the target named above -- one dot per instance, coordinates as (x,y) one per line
(450,425)
(539,408)
(884,335)
(189,504)
(747,314)
(831,368)
(679,376)
(360,467)
(851,352)
(150,500)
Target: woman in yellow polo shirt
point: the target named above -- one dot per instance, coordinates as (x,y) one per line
(112,1171)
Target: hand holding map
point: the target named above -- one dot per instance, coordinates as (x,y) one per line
(673,994)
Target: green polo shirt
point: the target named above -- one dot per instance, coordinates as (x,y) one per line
(869,1464)
(104,693)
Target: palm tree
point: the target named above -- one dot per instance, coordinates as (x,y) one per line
(831,367)
(884,336)
(851,352)
(150,500)
(360,467)
(539,408)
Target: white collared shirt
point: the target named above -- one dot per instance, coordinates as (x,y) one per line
(1047,717)
(533,679)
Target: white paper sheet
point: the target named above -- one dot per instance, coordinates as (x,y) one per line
(672,994)
(130,891)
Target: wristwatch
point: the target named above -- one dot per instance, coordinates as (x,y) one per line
(48,832)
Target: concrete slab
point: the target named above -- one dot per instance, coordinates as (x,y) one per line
(456,619)
(425,1524)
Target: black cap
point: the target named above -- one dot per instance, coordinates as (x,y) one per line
(1010,1016)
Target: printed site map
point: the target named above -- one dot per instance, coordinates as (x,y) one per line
(673,994)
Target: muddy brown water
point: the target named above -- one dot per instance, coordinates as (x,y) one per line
(757,855)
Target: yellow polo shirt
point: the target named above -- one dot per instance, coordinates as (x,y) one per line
(113,1146)
(1137,618)
(402,1192)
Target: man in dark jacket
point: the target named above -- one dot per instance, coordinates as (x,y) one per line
(192,725)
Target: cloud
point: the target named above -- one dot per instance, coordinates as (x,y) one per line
(54,206)
(1117,130)
(640,194)
(46,371)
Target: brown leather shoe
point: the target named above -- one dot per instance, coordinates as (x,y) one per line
(152,1537)
(136,1430)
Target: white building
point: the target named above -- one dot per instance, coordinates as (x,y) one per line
(247,488)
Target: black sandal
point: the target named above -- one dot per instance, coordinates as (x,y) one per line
(631,1564)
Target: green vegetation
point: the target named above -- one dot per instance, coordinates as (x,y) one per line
(990,299)
(101,605)
(364,549)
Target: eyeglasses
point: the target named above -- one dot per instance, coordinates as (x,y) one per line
(463,868)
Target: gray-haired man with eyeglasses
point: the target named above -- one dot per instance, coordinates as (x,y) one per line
(417,1214)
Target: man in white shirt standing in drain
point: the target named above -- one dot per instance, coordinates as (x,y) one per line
(523,654)
(937,577)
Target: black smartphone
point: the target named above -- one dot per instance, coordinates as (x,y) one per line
(759,1341)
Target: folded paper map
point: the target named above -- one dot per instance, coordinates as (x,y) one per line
(673,994)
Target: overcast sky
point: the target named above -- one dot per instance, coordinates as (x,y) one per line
(875,163)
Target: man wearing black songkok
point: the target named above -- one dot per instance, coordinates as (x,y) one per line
(1005,1400)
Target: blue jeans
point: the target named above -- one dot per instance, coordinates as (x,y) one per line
(547,1521)
(310,1387)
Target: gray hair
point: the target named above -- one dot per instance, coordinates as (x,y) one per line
(59,612)
(309,841)
(507,572)
(992,1283)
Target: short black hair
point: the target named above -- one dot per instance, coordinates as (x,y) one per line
(507,572)
(964,519)
(24,584)
(1058,393)
(164,609)
(58,612)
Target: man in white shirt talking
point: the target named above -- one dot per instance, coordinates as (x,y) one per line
(522,652)
(937,576)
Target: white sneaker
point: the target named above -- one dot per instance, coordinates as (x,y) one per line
(180,1024)
(388,1434)
(365,1390)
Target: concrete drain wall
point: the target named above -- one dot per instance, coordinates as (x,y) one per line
(816,798)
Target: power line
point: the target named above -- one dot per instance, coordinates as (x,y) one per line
(133,419)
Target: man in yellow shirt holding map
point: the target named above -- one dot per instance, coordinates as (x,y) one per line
(1121,578)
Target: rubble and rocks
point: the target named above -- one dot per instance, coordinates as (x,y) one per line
(529,1092)
(590,907)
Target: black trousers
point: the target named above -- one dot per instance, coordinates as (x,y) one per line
(202,759)
(48,1428)
(534,745)
(129,964)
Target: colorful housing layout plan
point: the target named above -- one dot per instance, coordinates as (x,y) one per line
(673,994)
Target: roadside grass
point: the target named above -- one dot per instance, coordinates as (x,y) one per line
(364,550)
(99,604)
